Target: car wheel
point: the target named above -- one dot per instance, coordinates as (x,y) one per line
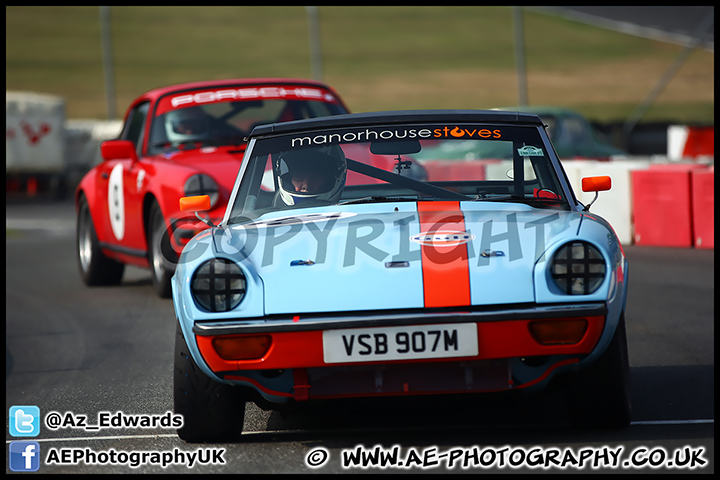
(161,256)
(599,396)
(212,411)
(95,268)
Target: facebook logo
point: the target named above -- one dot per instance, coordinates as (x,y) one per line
(24,456)
(24,421)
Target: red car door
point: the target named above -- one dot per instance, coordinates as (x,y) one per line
(120,185)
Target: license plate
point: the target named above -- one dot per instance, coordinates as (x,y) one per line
(400,343)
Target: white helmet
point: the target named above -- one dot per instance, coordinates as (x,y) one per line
(326,166)
(186,125)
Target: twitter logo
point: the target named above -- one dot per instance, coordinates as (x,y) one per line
(24,421)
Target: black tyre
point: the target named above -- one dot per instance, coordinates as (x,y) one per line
(212,412)
(95,268)
(161,256)
(599,396)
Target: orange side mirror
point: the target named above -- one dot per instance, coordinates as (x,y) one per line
(596,184)
(195,204)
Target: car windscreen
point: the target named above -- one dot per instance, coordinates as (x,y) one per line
(213,124)
(501,163)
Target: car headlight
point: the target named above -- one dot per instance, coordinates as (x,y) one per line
(201,184)
(578,268)
(218,285)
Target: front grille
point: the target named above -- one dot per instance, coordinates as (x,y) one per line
(412,378)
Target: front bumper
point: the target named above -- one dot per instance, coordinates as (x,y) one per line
(508,355)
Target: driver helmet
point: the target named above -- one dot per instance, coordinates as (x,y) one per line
(186,125)
(316,173)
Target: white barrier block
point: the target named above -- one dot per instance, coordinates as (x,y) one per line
(34,133)
(677,136)
(573,170)
(503,170)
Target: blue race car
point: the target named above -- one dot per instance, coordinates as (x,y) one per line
(349,264)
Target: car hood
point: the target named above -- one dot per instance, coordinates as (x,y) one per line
(391,256)
(221,163)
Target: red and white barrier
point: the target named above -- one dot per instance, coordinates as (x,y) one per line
(666,204)
(614,205)
(686,142)
(34,138)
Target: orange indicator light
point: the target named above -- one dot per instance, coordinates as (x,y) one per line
(558,332)
(246,347)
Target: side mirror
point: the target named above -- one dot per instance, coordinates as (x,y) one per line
(196,204)
(118,150)
(595,184)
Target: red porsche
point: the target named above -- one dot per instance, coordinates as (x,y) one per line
(177,141)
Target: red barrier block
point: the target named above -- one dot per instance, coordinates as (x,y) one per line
(456,170)
(438,170)
(703,208)
(468,170)
(700,142)
(677,167)
(662,207)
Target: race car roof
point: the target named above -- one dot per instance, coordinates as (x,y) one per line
(397,117)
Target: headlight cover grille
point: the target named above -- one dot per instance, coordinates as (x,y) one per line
(578,268)
(218,285)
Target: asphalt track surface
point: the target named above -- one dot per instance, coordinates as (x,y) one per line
(74,349)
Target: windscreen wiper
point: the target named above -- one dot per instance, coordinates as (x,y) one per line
(407,182)
(526,200)
(227,140)
(179,145)
(378,199)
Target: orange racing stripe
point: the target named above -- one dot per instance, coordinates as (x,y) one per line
(445,266)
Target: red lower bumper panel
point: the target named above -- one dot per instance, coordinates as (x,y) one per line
(409,378)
